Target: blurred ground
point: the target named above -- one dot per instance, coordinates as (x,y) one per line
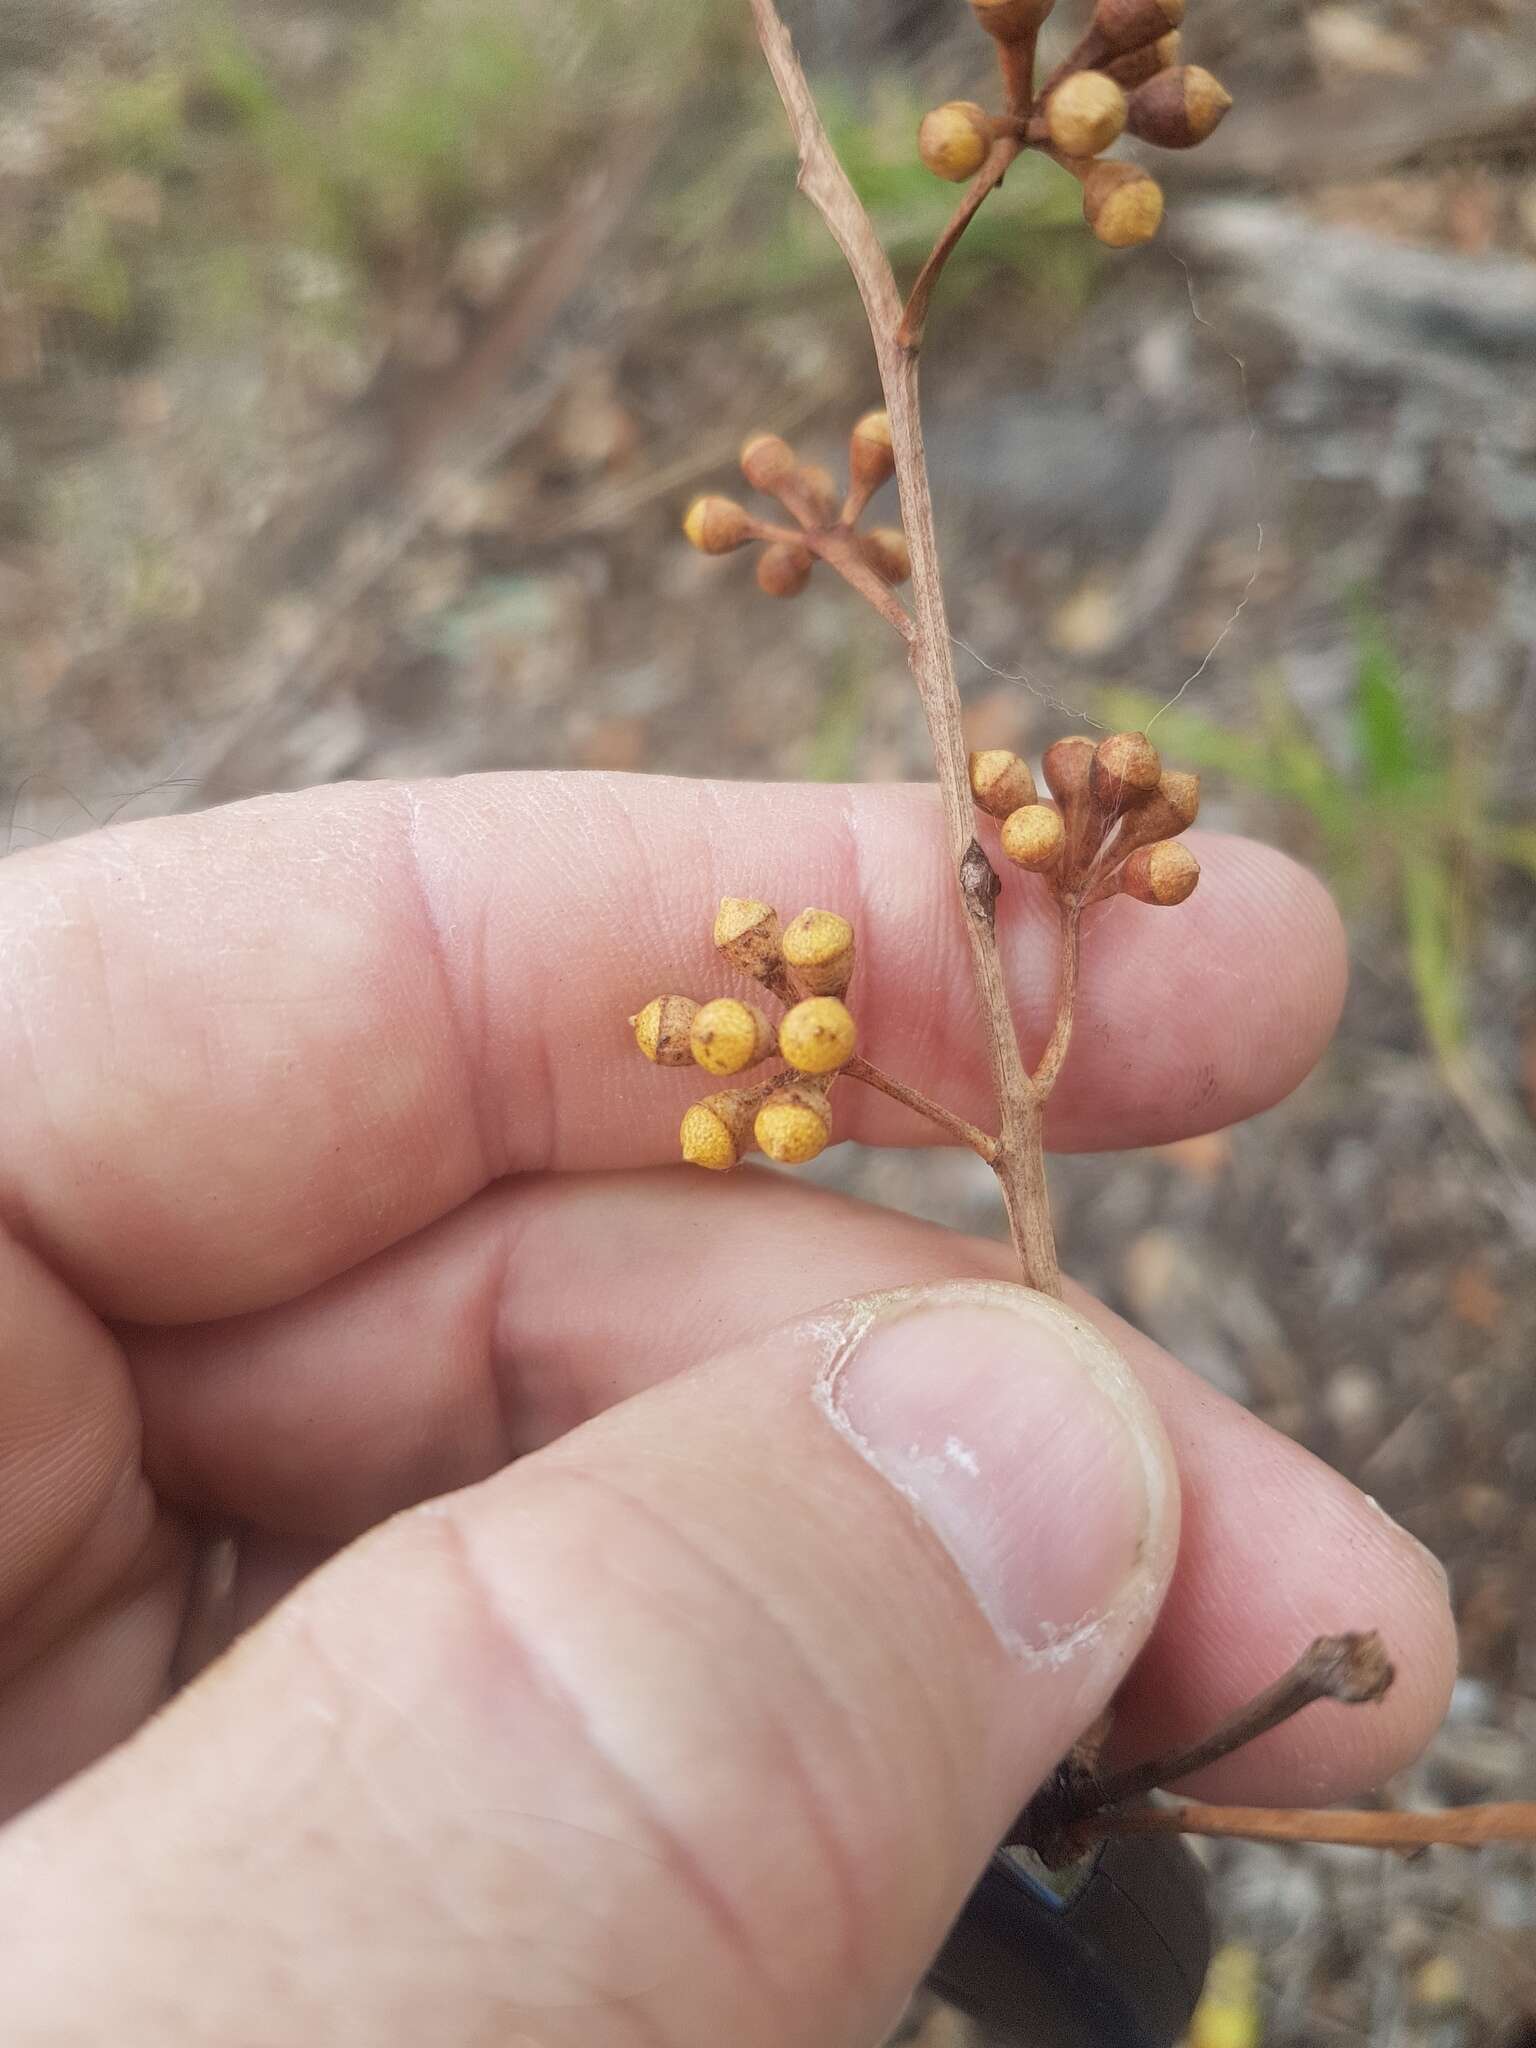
(357,358)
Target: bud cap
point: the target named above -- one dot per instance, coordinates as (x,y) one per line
(1125,765)
(1032,838)
(1085,114)
(662,1030)
(819,952)
(1000,781)
(955,140)
(1066,766)
(747,935)
(794,1125)
(1178,109)
(729,1036)
(1164,874)
(715,1132)
(1122,204)
(716,526)
(766,460)
(817,1036)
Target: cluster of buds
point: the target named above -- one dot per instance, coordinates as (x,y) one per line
(806,966)
(826,521)
(1123,78)
(1113,823)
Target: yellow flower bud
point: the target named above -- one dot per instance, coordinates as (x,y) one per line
(794,1124)
(716,1131)
(747,937)
(1122,204)
(955,140)
(783,570)
(716,526)
(1164,874)
(1033,836)
(885,549)
(817,1036)
(1000,781)
(1127,24)
(1178,109)
(728,1036)
(870,459)
(1125,766)
(661,1030)
(818,950)
(1085,113)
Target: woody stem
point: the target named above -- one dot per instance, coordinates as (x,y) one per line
(860,1069)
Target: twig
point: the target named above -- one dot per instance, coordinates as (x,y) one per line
(860,1069)
(1005,152)
(839,552)
(1353,1669)
(1457,1827)
(1019,1163)
(1054,1056)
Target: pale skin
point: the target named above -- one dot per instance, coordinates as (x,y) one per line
(332,1184)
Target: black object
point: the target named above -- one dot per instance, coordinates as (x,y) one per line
(1108,1954)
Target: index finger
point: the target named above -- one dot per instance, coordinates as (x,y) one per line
(243,1050)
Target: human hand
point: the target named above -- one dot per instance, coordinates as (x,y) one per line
(331,1187)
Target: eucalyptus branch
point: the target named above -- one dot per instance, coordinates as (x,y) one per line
(1004,153)
(1352,1669)
(1053,1058)
(1456,1827)
(1114,794)
(1018,1164)
(1079,1806)
(956,1127)
(1110,824)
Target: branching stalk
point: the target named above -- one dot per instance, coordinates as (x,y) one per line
(1054,1057)
(956,1127)
(1005,152)
(1353,1669)
(1019,1162)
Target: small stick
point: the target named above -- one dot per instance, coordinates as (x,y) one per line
(1017,63)
(1353,1669)
(839,552)
(860,1069)
(837,548)
(1054,1056)
(1019,1162)
(914,317)
(1457,1827)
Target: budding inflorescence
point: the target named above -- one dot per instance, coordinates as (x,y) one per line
(827,519)
(806,966)
(1110,827)
(1123,78)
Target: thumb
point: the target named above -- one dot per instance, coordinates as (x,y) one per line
(697,1726)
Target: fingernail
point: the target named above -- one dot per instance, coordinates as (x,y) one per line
(1024,1441)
